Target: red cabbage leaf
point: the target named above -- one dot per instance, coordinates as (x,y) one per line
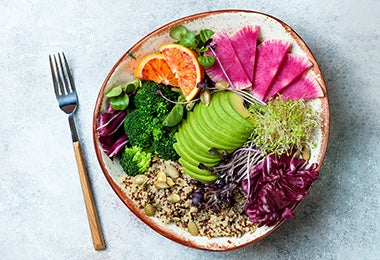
(275,185)
(110,130)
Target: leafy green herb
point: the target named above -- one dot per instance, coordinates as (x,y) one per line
(119,95)
(114,92)
(282,126)
(178,32)
(206,61)
(205,35)
(196,42)
(120,102)
(175,116)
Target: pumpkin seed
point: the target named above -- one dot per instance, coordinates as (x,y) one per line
(170,181)
(192,228)
(174,198)
(161,176)
(172,171)
(155,158)
(221,85)
(161,184)
(176,219)
(144,186)
(205,96)
(139,179)
(149,209)
(306,152)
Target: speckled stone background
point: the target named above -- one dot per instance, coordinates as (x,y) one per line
(42,214)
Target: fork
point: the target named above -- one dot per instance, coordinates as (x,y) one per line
(66,95)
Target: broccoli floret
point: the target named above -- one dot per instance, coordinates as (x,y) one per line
(163,146)
(135,161)
(139,127)
(148,100)
(144,125)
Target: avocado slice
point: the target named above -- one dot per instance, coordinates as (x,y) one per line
(204,134)
(231,119)
(196,157)
(190,159)
(231,104)
(210,137)
(195,143)
(219,126)
(187,135)
(196,173)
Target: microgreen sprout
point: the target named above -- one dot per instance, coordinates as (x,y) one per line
(283,125)
(235,167)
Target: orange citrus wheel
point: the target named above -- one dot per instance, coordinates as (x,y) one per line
(154,67)
(184,63)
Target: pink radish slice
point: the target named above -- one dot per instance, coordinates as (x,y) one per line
(227,65)
(304,87)
(290,70)
(269,57)
(244,42)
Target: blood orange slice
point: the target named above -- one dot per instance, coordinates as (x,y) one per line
(154,67)
(183,62)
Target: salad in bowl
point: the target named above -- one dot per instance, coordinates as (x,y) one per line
(212,134)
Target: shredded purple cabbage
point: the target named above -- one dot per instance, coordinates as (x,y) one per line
(275,185)
(111,133)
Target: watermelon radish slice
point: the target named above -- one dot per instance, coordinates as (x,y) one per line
(269,58)
(290,70)
(244,42)
(304,87)
(227,65)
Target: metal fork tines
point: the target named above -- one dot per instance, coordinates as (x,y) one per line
(65,92)
(64,87)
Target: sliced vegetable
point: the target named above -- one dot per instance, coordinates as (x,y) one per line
(293,67)
(228,66)
(244,42)
(270,56)
(304,87)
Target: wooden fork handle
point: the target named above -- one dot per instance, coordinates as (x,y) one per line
(96,231)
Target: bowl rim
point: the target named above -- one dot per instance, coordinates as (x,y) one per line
(147,220)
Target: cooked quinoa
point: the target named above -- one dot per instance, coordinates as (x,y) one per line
(165,192)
